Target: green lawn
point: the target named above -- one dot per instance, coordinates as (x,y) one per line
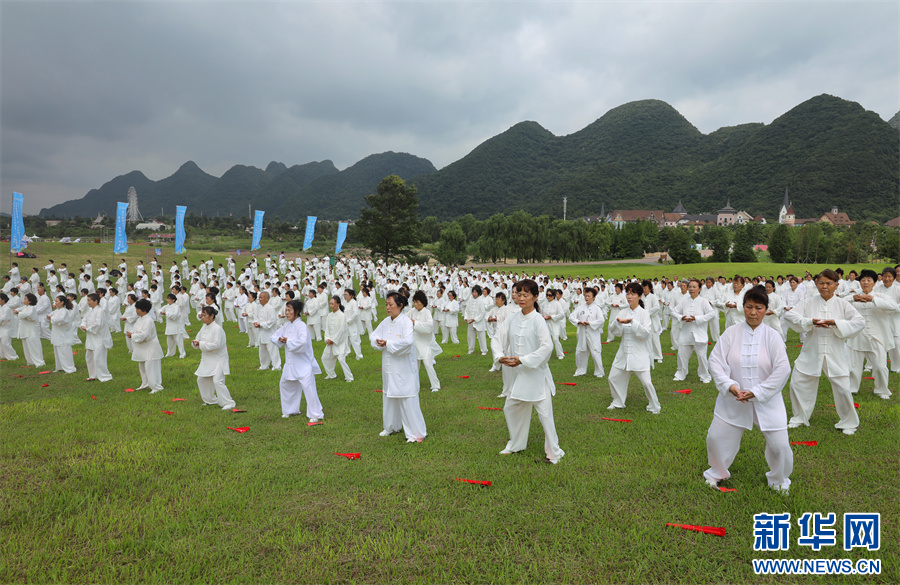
(99,485)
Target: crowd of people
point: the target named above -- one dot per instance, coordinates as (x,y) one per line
(846,325)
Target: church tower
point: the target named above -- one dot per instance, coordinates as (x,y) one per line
(785,208)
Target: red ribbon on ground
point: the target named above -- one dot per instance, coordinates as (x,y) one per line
(685,391)
(458,356)
(463,376)
(349,455)
(309,424)
(474,481)
(17,375)
(488,408)
(129,389)
(178,400)
(48,371)
(617,419)
(567,383)
(668,354)
(74,353)
(864,378)
(725,489)
(240,429)
(715,530)
(44,385)
(167,412)
(237,410)
(93,397)
(807,443)
(376,390)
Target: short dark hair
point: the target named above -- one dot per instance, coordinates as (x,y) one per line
(399,300)
(868,273)
(143,305)
(421,297)
(757,294)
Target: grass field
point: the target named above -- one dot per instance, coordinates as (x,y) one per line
(99,485)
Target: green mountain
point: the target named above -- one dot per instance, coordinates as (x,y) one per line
(642,155)
(645,155)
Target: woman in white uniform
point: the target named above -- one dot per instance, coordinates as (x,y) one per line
(214,365)
(426,346)
(395,339)
(877,338)
(337,345)
(298,376)
(98,340)
(588,319)
(174,327)
(451,319)
(633,324)
(750,368)
(733,302)
(654,309)
(693,313)
(61,334)
(30,331)
(366,309)
(7,322)
(829,321)
(146,350)
(354,325)
(523,346)
(616,303)
(495,318)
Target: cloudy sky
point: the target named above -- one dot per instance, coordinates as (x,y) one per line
(91,90)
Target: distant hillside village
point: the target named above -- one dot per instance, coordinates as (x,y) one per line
(726,216)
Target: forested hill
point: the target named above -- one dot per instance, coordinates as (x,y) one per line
(645,155)
(286,193)
(642,155)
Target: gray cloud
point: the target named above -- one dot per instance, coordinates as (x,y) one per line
(93,90)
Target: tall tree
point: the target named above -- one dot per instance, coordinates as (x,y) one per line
(389,224)
(780,244)
(742,250)
(451,249)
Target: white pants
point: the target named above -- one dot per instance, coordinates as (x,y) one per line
(355,343)
(684,359)
(214,391)
(269,355)
(6,349)
(33,350)
(45,329)
(151,374)
(403,414)
(723,441)
(581,360)
(65,361)
(714,329)
(518,420)
(675,333)
(804,389)
(472,334)
(618,387)
(557,345)
(96,364)
(293,391)
(894,354)
(368,326)
(433,381)
(330,358)
(242,324)
(449,331)
(174,342)
(878,361)
(228,314)
(656,353)
(315,332)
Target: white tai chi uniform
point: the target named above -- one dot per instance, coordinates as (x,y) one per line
(893,293)
(824,351)
(175,331)
(213,366)
(337,332)
(527,337)
(8,330)
(754,360)
(267,318)
(873,342)
(354,327)
(590,338)
(399,378)
(476,329)
(633,357)
(451,322)
(30,334)
(61,339)
(298,376)
(426,346)
(97,343)
(130,315)
(147,352)
(693,337)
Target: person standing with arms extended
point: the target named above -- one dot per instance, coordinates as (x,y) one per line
(829,321)
(298,376)
(524,346)
(394,338)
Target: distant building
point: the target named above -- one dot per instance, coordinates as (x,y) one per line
(727,215)
(151,225)
(742,217)
(893,223)
(620,217)
(672,219)
(154,238)
(760,220)
(680,209)
(785,208)
(53,222)
(835,218)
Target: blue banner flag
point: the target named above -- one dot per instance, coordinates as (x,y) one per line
(179,228)
(342,235)
(121,243)
(310,232)
(257,230)
(18,226)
